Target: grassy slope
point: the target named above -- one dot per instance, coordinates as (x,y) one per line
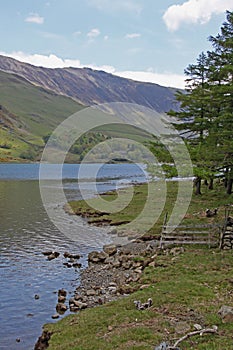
(186,289)
(38,111)
(195,214)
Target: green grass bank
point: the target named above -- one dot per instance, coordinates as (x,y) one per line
(187,288)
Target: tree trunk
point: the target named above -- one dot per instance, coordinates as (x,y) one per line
(197,184)
(205,182)
(226,178)
(229,186)
(211,184)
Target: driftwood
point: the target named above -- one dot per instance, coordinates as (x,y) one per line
(165,346)
(212,330)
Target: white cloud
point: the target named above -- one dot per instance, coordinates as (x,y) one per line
(132,35)
(52,61)
(93,33)
(34,18)
(164,79)
(130,6)
(106,37)
(194,11)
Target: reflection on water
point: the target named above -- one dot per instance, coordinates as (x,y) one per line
(25,232)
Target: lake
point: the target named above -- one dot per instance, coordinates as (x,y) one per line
(26,231)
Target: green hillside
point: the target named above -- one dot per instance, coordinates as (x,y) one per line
(27,114)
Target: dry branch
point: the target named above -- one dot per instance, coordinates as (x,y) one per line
(188,335)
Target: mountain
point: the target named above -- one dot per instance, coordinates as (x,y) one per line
(90,87)
(34,100)
(27,114)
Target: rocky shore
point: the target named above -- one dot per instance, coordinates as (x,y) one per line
(112,273)
(116,272)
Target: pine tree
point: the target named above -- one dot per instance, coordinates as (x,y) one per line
(207,109)
(195,116)
(221,83)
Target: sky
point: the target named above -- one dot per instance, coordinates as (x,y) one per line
(145,40)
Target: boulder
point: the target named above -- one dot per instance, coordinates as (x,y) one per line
(110,249)
(62,292)
(78,297)
(53,255)
(67,265)
(48,252)
(77,265)
(116,263)
(61,308)
(61,299)
(71,256)
(109,260)
(112,289)
(80,305)
(43,341)
(96,257)
(90,292)
(226,313)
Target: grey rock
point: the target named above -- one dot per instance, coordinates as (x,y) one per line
(90,292)
(226,313)
(112,289)
(162,346)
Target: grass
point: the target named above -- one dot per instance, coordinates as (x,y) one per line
(186,289)
(39,109)
(194,215)
(36,112)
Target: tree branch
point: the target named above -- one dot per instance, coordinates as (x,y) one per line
(200,332)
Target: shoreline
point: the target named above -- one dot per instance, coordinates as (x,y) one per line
(116,272)
(112,273)
(103,300)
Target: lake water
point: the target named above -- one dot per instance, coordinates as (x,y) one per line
(26,231)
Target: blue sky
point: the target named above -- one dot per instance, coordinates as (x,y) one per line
(148,40)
